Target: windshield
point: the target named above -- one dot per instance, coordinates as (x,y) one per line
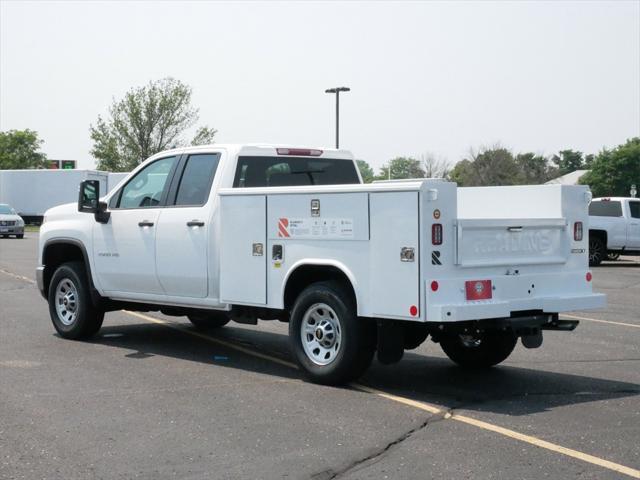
(6,210)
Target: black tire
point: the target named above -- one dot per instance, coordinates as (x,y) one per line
(354,338)
(20,236)
(70,289)
(613,256)
(208,321)
(480,351)
(597,251)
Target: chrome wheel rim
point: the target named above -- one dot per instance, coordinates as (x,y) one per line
(321,334)
(66,302)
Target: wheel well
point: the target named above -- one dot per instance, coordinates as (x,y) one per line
(56,254)
(602,234)
(305,275)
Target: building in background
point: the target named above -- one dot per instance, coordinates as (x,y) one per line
(571,178)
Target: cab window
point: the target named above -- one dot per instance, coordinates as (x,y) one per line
(634,207)
(146,188)
(197,176)
(605,208)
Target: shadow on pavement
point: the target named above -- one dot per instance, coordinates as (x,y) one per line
(506,389)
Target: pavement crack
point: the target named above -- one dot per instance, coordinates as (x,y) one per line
(331,474)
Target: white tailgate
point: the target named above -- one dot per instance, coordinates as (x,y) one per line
(499,242)
(243,274)
(394,285)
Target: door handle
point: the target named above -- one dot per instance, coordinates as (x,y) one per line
(195,223)
(145,223)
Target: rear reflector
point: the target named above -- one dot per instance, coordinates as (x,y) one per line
(300,152)
(478,289)
(577,231)
(436,234)
(434,286)
(588,276)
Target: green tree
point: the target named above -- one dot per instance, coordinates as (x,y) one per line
(19,149)
(492,166)
(568,161)
(614,171)
(365,171)
(534,169)
(147,120)
(401,168)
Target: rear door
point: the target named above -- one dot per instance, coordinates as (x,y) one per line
(184,228)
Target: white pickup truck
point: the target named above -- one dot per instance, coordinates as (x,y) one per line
(249,232)
(614,228)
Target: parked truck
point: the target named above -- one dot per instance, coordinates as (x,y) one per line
(614,228)
(248,232)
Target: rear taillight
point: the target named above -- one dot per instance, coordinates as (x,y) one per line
(478,289)
(436,234)
(577,231)
(299,152)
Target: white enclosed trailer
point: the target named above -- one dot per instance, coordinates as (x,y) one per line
(33,192)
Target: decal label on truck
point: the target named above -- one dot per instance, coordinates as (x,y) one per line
(339,228)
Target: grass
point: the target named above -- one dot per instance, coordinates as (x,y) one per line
(31,228)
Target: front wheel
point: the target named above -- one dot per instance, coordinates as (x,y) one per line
(479,350)
(70,306)
(20,235)
(331,344)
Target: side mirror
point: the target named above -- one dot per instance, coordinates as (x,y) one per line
(89,196)
(89,201)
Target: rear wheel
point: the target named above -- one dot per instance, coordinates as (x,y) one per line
(208,321)
(331,344)
(597,251)
(70,306)
(479,350)
(20,235)
(612,256)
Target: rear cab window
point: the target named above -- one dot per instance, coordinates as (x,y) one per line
(293,171)
(605,208)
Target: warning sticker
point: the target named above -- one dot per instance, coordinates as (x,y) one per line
(315,228)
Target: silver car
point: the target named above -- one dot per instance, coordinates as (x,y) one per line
(10,222)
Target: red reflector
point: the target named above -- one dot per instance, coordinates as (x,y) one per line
(434,286)
(478,289)
(577,231)
(436,234)
(413,310)
(589,276)
(300,152)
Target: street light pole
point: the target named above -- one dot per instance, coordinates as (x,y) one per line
(337,91)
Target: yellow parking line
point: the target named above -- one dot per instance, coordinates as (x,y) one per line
(224,343)
(576,317)
(601,462)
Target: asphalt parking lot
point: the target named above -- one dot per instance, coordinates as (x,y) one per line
(151,398)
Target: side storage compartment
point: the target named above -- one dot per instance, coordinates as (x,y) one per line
(242,249)
(395,255)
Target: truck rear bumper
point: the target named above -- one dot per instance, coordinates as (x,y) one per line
(483,309)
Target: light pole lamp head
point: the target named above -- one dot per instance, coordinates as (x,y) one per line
(337,90)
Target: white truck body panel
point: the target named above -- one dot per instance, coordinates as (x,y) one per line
(519,238)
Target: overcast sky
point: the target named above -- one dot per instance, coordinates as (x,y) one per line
(425,76)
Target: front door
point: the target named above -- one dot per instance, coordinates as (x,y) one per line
(124,249)
(184,229)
